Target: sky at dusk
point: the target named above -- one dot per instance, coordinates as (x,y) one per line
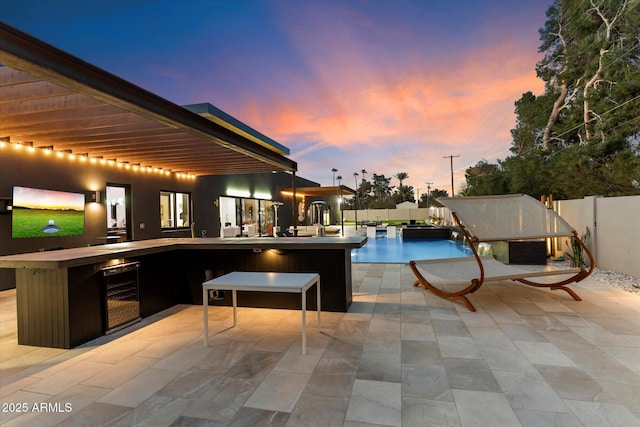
(381,85)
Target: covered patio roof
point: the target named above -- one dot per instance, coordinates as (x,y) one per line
(51,99)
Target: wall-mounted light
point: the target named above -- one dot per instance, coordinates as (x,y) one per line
(264,196)
(238,193)
(6,205)
(92,196)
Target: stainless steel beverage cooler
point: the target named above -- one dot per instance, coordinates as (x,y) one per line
(121,295)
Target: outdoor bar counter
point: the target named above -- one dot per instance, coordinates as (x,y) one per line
(60,294)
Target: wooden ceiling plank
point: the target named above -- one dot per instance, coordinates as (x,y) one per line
(10,76)
(84,127)
(31,90)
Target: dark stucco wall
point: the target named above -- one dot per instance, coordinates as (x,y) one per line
(34,169)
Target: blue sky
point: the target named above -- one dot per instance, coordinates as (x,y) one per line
(386,86)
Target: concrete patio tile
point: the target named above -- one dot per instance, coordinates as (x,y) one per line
(375,402)
(423,412)
(529,391)
(484,409)
(542,353)
(279,391)
(596,414)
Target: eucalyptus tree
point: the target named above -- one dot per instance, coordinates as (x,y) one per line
(591,51)
(580,136)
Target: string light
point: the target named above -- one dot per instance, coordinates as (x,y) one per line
(47,150)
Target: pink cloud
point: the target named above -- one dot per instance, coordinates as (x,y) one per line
(461,100)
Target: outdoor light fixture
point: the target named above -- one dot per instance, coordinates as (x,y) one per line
(238,193)
(84,157)
(265,196)
(289,193)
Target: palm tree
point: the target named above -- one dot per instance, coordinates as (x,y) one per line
(334,170)
(339,178)
(401,176)
(405,192)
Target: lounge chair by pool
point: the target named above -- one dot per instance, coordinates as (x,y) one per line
(491,219)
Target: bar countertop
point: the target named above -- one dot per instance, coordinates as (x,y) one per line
(73,257)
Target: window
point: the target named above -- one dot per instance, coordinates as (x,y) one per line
(253,216)
(175,210)
(116,208)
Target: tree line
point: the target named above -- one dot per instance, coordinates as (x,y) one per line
(378,193)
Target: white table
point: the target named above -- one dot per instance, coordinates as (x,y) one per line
(231,231)
(262,282)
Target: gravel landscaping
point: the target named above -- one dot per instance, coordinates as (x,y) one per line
(611,278)
(619,280)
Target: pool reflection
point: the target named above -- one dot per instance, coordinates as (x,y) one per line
(398,250)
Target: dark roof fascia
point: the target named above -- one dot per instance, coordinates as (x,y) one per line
(28,54)
(208,109)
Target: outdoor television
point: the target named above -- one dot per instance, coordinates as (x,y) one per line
(46,213)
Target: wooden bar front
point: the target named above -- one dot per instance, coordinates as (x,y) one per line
(59,294)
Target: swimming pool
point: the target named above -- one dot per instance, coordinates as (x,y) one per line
(384,250)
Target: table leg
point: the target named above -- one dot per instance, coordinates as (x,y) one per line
(205,305)
(304,322)
(234,294)
(318,306)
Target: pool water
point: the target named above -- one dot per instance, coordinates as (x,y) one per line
(384,250)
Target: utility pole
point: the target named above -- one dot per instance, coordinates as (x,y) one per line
(355,202)
(363,200)
(334,170)
(450,157)
(428,191)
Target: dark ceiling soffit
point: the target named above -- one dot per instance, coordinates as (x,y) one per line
(42,60)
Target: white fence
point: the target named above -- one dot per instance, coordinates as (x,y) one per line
(390,214)
(613,223)
(614,226)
